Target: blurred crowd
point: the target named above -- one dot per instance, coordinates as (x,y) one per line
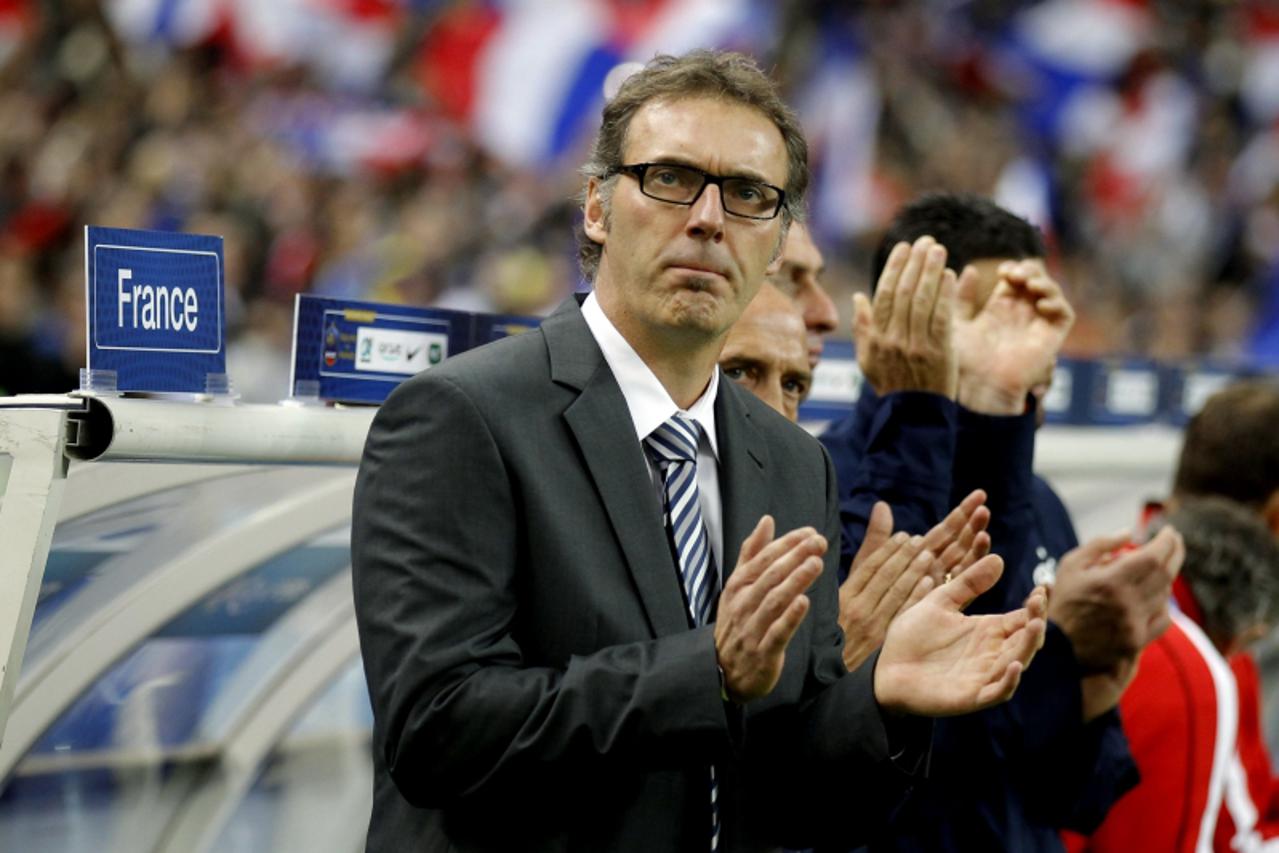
(1142,137)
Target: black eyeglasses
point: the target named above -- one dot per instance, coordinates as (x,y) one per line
(676,184)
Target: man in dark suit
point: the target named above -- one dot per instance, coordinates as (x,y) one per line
(543,528)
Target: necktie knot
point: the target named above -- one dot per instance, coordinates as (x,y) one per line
(675,440)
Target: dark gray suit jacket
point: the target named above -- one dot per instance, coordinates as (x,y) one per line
(535,681)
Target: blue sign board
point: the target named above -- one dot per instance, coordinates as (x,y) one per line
(1067,400)
(1084,392)
(1124,391)
(1188,387)
(156,308)
(491,327)
(357,352)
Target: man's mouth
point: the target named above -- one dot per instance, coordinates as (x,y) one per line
(696,271)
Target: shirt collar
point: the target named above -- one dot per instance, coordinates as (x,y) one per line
(647,400)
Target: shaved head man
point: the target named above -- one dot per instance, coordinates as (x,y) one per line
(767,352)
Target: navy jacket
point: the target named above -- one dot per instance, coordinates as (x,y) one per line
(1010,777)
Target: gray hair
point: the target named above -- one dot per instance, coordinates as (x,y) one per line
(1232,566)
(716,74)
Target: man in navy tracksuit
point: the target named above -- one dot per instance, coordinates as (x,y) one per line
(958,411)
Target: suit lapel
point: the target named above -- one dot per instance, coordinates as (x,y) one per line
(743,465)
(601,425)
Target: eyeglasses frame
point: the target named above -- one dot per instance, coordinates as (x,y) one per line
(638,171)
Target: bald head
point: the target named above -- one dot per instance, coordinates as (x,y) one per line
(767,351)
(800,279)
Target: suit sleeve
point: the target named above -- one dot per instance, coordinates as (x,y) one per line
(458,710)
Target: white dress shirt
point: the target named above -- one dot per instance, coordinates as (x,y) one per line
(651,406)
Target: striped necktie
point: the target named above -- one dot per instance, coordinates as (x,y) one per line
(673,448)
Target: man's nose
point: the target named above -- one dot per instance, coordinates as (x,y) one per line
(820,314)
(706,215)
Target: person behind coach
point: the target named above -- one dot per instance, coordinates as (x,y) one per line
(957,346)
(766,351)
(800,280)
(543,669)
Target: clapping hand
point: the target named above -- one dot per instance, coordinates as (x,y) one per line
(1009,345)
(960,539)
(889,574)
(892,572)
(903,338)
(938,662)
(1112,605)
(762,605)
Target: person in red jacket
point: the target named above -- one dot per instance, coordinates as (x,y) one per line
(1249,818)
(1181,712)
(1241,417)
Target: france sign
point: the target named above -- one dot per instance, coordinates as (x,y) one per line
(155,308)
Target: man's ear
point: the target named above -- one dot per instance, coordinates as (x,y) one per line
(594,213)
